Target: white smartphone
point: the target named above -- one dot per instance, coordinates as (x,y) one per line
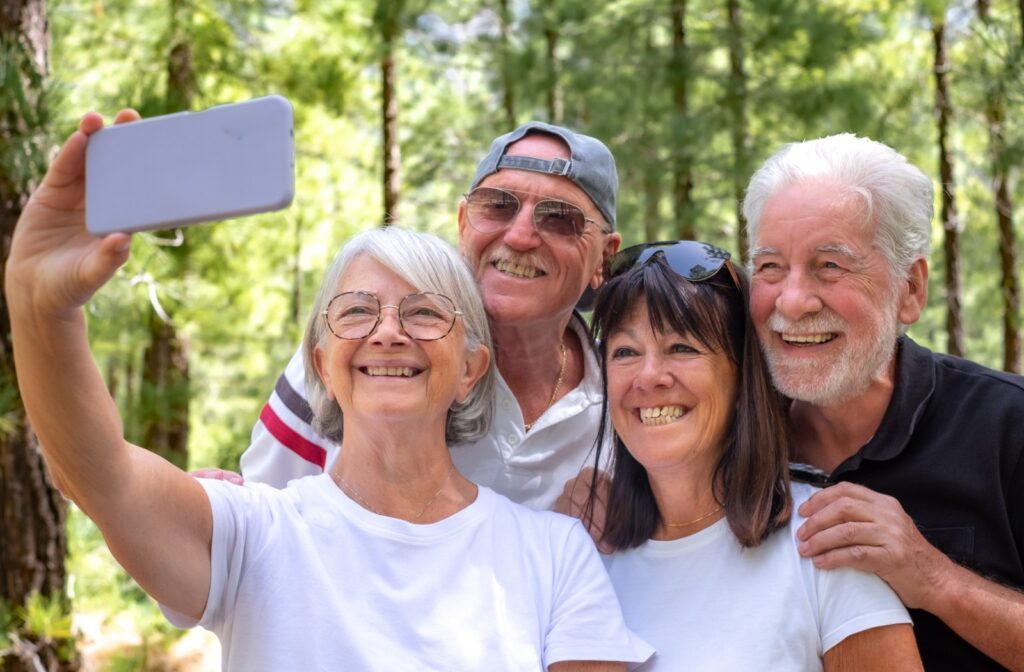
(191,167)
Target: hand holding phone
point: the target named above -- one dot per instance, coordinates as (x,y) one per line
(191,167)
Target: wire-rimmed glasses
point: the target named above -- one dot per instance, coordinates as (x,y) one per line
(424,316)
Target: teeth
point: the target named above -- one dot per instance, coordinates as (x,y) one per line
(403,371)
(661,415)
(517,270)
(808,338)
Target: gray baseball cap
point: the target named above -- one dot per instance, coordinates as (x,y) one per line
(590,166)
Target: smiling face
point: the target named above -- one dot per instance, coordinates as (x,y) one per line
(388,375)
(522,276)
(826,305)
(670,397)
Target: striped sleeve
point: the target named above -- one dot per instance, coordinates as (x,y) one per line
(284,444)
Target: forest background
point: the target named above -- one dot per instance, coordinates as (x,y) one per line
(394,103)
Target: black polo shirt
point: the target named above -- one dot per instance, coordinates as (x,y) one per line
(950,450)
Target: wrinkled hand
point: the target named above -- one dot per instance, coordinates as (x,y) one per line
(849,525)
(573,501)
(215,474)
(54,263)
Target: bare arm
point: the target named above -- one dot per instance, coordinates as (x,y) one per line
(851,526)
(890,648)
(156,519)
(586,666)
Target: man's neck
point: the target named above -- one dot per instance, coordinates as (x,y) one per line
(826,436)
(527,354)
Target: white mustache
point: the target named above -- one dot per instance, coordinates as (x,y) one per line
(824,322)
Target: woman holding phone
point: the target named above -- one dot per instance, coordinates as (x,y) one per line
(699,510)
(392,560)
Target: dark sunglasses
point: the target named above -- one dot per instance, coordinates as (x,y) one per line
(692,259)
(490,210)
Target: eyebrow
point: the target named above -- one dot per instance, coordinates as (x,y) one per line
(832,248)
(761,251)
(839,248)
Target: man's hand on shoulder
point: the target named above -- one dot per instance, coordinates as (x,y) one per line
(573,501)
(849,525)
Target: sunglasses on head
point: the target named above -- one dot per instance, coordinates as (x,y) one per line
(692,259)
(490,210)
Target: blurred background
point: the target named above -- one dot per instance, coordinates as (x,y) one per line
(394,103)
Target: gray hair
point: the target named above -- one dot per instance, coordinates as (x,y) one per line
(898,196)
(430,265)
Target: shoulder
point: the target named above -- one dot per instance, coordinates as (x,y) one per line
(966,372)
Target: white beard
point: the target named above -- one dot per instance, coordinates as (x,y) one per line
(841,377)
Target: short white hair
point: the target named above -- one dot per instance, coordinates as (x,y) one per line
(430,265)
(898,196)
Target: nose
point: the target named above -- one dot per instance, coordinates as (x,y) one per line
(798,296)
(389,329)
(652,373)
(521,235)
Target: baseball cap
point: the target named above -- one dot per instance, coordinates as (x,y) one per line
(590,165)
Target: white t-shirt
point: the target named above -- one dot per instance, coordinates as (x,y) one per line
(306,579)
(706,603)
(527,467)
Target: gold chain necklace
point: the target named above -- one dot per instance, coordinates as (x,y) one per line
(347,488)
(558,384)
(695,520)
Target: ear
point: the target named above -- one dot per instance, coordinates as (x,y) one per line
(915,298)
(477,361)
(322,370)
(462,224)
(612,241)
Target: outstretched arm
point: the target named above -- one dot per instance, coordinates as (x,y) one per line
(155,518)
(851,526)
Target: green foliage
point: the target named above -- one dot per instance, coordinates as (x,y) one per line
(242,298)
(41,620)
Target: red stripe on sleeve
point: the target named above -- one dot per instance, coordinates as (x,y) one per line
(291,439)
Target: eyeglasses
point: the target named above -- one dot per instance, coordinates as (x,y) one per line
(692,259)
(490,210)
(424,316)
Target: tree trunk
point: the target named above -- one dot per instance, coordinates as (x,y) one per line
(165,385)
(555,108)
(32,512)
(737,104)
(995,116)
(950,221)
(505,67)
(388,17)
(682,173)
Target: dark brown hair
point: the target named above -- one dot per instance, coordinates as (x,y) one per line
(751,479)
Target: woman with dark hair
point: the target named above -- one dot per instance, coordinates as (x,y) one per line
(699,509)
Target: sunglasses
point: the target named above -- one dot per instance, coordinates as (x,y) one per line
(490,210)
(692,259)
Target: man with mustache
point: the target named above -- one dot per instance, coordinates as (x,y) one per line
(535,228)
(927,449)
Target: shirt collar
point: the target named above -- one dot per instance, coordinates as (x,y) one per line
(914,386)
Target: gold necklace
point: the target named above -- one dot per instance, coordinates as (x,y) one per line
(554,393)
(347,488)
(695,520)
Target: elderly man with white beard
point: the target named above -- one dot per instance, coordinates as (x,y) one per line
(926,449)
